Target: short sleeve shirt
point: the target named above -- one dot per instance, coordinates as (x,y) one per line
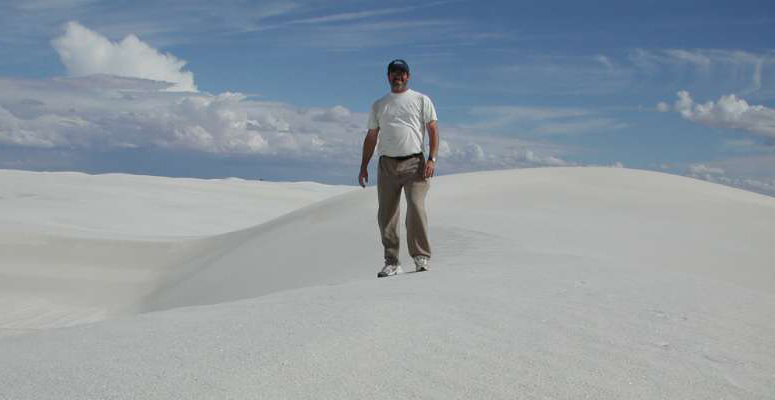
(401,119)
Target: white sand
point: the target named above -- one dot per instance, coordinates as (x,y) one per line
(78,248)
(133,206)
(546,283)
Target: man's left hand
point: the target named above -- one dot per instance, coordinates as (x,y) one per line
(430,168)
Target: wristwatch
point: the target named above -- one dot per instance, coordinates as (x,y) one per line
(432,159)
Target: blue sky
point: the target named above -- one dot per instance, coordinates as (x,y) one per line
(279,90)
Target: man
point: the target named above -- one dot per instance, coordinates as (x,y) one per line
(399,120)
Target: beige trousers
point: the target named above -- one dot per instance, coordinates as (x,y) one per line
(393,176)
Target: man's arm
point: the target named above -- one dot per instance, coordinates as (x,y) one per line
(368,150)
(433,139)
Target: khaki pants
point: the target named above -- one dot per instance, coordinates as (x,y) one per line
(393,176)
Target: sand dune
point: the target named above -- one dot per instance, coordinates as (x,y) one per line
(634,216)
(120,206)
(546,283)
(79,248)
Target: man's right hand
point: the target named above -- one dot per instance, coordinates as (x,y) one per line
(369,143)
(363,178)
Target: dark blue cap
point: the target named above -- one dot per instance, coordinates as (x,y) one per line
(400,65)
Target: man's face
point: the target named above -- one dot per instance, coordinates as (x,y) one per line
(398,79)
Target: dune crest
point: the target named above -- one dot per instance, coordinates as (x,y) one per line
(641,219)
(545,283)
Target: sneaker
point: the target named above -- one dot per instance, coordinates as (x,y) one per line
(390,269)
(422,263)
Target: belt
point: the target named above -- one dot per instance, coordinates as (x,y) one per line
(403,158)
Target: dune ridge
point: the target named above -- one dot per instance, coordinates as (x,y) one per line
(480,213)
(546,283)
(78,248)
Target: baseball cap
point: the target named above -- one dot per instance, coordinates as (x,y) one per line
(399,65)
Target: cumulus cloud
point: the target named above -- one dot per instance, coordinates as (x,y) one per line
(128,95)
(540,160)
(85,52)
(207,123)
(102,112)
(334,114)
(457,154)
(127,98)
(474,152)
(728,112)
(719,175)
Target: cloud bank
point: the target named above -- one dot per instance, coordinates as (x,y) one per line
(89,117)
(127,105)
(728,112)
(104,112)
(719,175)
(85,52)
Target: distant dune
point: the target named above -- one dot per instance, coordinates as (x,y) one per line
(603,283)
(79,248)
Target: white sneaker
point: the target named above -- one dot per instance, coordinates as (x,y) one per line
(390,269)
(422,263)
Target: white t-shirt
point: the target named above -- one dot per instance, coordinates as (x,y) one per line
(401,119)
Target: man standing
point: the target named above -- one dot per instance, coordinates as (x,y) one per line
(399,120)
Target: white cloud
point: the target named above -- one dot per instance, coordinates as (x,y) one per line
(444,150)
(103,112)
(756,185)
(474,152)
(371,34)
(605,61)
(640,71)
(542,121)
(663,107)
(586,75)
(736,70)
(539,160)
(208,124)
(728,112)
(85,52)
(456,155)
(718,175)
(118,98)
(701,169)
(88,115)
(350,16)
(358,15)
(37,133)
(698,59)
(334,114)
